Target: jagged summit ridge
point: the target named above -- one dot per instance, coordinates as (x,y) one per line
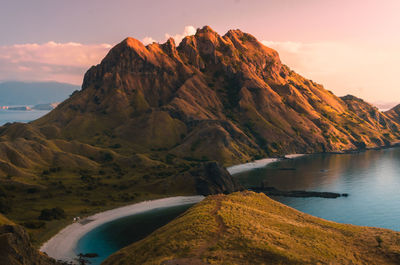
(204,48)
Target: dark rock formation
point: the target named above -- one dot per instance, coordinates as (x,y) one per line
(212,178)
(16,249)
(271,191)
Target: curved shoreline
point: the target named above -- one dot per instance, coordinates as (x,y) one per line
(235,169)
(62,246)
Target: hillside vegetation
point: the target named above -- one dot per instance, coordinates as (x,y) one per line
(250,228)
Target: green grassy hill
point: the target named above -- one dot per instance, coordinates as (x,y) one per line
(250,228)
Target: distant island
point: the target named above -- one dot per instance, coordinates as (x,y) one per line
(47,106)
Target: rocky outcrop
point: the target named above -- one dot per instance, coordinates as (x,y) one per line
(212,178)
(16,249)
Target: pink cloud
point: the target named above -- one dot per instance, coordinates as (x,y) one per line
(188,31)
(148,40)
(63,62)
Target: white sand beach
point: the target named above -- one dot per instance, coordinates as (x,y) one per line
(251,165)
(62,245)
(258,164)
(292,156)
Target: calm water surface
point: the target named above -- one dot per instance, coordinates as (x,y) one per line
(371,178)
(110,237)
(20,115)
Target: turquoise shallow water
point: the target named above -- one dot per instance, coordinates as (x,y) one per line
(110,237)
(371,178)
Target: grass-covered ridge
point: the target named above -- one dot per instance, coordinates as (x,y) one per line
(250,228)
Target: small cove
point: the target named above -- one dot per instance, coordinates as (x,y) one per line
(112,236)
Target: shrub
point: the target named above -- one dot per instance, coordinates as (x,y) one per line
(51,214)
(2,192)
(116,146)
(32,190)
(5,206)
(34,224)
(108,157)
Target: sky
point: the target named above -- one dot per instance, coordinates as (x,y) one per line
(349,46)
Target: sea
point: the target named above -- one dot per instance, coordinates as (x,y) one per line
(371,179)
(20,115)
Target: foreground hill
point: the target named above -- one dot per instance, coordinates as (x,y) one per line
(160,120)
(250,228)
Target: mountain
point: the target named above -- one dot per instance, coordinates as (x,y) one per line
(250,228)
(225,98)
(161,120)
(32,93)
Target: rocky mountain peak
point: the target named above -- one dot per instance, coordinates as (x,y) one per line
(205,29)
(169,47)
(246,99)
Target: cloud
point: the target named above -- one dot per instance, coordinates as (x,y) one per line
(148,40)
(188,31)
(63,62)
(366,71)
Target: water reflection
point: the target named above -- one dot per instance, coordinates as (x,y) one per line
(372,179)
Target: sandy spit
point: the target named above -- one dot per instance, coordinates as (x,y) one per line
(258,164)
